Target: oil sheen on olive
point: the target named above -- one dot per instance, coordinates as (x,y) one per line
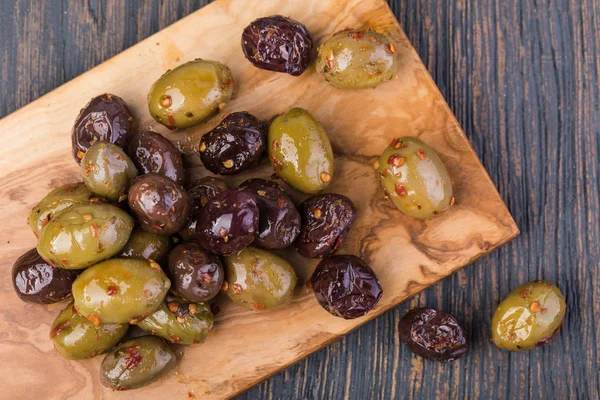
(277,43)
(279,220)
(120,290)
(36,281)
(151,152)
(236,144)
(528,317)
(190,94)
(326,221)
(259,280)
(415,178)
(201,191)
(75,337)
(345,286)
(136,363)
(433,335)
(146,246)
(105,117)
(300,151)
(84,235)
(357,59)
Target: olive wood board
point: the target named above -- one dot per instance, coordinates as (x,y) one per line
(246,347)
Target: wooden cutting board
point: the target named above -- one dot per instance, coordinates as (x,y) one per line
(246,347)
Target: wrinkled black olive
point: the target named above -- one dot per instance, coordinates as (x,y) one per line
(153,153)
(201,191)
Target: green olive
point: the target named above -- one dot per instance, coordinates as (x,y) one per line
(146,245)
(259,280)
(84,235)
(75,337)
(357,59)
(120,290)
(300,151)
(415,178)
(190,94)
(528,317)
(136,363)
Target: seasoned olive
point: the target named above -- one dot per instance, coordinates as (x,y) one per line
(105,117)
(146,245)
(415,178)
(84,234)
(326,221)
(279,220)
(300,151)
(160,205)
(136,363)
(201,191)
(153,153)
(236,144)
(120,290)
(259,280)
(190,94)
(345,286)
(357,59)
(529,316)
(75,337)
(433,335)
(277,43)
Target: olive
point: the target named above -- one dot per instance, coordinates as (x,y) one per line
(259,280)
(415,178)
(190,94)
(357,59)
(120,290)
(83,235)
(160,205)
(146,245)
(201,191)
(433,335)
(300,151)
(277,43)
(153,153)
(236,144)
(326,221)
(196,275)
(529,316)
(228,222)
(345,286)
(136,363)
(279,220)
(105,117)
(36,281)
(75,337)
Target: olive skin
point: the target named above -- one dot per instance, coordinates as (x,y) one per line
(55,202)
(345,286)
(228,222)
(36,281)
(433,335)
(300,151)
(75,337)
(105,117)
(357,59)
(120,290)
(161,206)
(190,94)
(528,317)
(145,245)
(259,280)
(236,144)
(414,177)
(84,235)
(278,44)
(201,191)
(326,221)
(196,275)
(151,152)
(136,363)
(279,220)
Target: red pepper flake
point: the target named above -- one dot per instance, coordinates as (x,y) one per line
(452,201)
(133,357)
(277,164)
(166,101)
(191,395)
(46,220)
(390,48)
(400,190)
(173,306)
(395,144)
(171,119)
(64,261)
(225,286)
(372,38)
(206,277)
(158,227)
(280,202)
(358,35)
(385,173)
(535,306)
(544,311)
(80,154)
(58,329)
(154,265)
(175,338)
(325,177)
(396,160)
(223,233)
(94,319)
(525,293)
(237,288)
(147,293)
(95,200)
(421,154)
(258,306)
(227,83)
(112,290)
(94,229)
(330,60)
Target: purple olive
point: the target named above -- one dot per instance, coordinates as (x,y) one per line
(201,191)
(153,153)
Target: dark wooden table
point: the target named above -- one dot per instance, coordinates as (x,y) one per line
(522,78)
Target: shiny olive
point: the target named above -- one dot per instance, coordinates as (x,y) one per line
(146,245)
(300,151)
(191,93)
(357,59)
(151,152)
(415,178)
(201,191)
(84,235)
(528,317)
